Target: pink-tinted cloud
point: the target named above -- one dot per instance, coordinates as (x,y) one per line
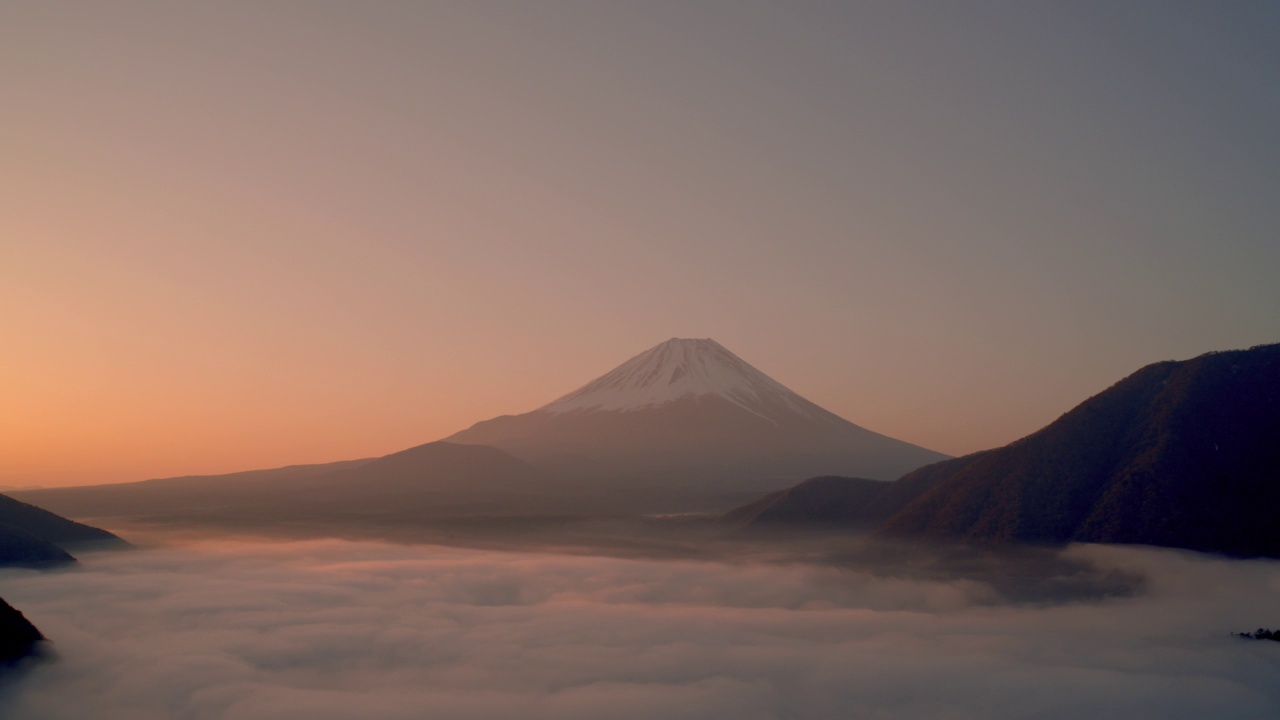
(336,629)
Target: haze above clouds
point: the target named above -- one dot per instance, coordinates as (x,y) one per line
(246,235)
(339,629)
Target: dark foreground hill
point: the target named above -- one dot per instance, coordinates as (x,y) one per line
(827,500)
(1179,454)
(844,502)
(19,548)
(850,503)
(49,527)
(34,537)
(18,637)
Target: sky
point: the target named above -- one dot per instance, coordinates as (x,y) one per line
(326,629)
(244,235)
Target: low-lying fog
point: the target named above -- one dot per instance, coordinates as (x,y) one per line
(341,629)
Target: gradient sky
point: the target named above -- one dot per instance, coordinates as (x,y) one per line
(249,234)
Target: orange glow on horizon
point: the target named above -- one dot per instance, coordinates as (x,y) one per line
(245,236)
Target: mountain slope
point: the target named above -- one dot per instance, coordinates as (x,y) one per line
(145,496)
(680,368)
(1181,454)
(423,476)
(684,427)
(854,503)
(435,475)
(41,536)
(691,408)
(817,501)
(19,548)
(18,637)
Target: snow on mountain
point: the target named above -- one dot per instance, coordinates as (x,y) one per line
(692,409)
(683,368)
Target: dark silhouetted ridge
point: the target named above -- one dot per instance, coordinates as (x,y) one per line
(1180,454)
(18,637)
(821,500)
(19,548)
(34,537)
(843,501)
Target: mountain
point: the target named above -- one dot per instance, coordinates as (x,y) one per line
(692,409)
(684,427)
(142,497)
(826,500)
(52,528)
(1178,454)
(19,548)
(34,537)
(431,479)
(853,503)
(18,637)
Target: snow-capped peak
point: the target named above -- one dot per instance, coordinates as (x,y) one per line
(683,368)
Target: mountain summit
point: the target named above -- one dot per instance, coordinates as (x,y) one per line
(684,368)
(683,427)
(689,408)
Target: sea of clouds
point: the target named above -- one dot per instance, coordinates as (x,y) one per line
(339,629)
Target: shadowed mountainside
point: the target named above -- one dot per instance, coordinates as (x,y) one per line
(821,500)
(18,637)
(1179,454)
(49,527)
(34,537)
(19,548)
(851,503)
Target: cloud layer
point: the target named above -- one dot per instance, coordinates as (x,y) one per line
(338,629)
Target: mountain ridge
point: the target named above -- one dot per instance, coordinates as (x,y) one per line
(1178,454)
(690,407)
(32,536)
(685,426)
(414,476)
(18,637)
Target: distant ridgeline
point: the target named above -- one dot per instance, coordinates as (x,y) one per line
(1179,454)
